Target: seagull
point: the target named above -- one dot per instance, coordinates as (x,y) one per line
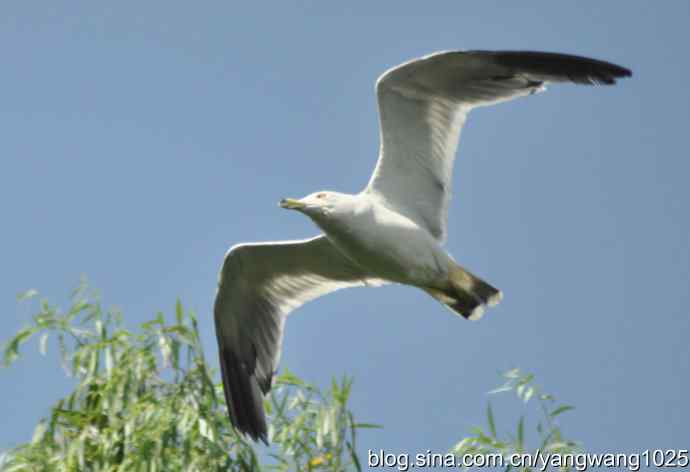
(393,231)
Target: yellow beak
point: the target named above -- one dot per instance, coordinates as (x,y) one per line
(292,204)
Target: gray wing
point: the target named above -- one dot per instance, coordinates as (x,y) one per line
(259,285)
(423,105)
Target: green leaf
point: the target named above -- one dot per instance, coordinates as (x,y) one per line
(561,409)
(462,446)
(205,430)
(482,438)
(289,378)
(490,419)
(43,344)
(353,456)
(521,433)
(528,394)
(367,426)
(503,388)
(526,379)
(179,312)
(12,348)
(27,295)
(39,432)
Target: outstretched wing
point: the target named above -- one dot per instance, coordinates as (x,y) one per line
(259,285)
(423,105)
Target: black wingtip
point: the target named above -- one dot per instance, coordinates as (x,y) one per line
(577,69)
(244,397)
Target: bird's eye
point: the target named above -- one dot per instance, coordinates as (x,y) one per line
(321,195)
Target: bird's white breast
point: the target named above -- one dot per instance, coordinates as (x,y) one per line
(386,243)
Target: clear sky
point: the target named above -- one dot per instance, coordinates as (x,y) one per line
(141,139)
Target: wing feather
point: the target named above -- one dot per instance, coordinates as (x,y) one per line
(259,285)
(423,105)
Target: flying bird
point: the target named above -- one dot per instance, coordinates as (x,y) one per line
(392,231)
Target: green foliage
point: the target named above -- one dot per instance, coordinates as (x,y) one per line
(145,401)
(323,432)
(550,439)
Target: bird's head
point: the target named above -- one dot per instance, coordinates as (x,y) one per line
(317,204)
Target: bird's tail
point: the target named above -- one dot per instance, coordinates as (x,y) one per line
(466,294)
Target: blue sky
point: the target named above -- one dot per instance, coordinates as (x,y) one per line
(141,140)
